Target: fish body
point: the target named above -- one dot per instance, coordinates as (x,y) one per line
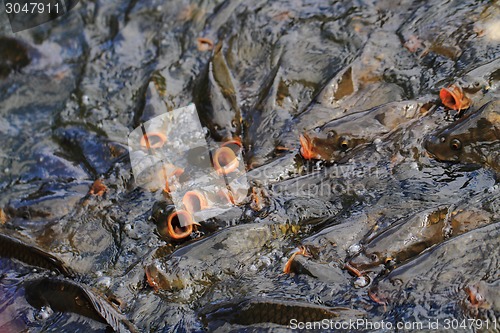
(438,277)
(403,240)
(217,257)
(217,100)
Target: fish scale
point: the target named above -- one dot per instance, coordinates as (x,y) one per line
(262,310)
(14,248)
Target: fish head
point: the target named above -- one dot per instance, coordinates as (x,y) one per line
(367,260)
(446,145)
(160,278)
(469,139)
(328,145)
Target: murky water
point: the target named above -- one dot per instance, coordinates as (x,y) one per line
(350,154)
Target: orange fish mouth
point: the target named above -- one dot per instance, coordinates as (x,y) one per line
(376,298)
(306,147)
(180,224)
(194,201)
(225,160)
(454,98)
(153,140)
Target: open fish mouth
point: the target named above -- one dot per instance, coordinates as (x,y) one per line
(454,98)
(306,147)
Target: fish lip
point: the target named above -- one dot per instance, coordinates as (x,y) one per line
(428,144)
(453,97)
(377,296)
(448,98)
(229,167)
(151,273)
(306,149)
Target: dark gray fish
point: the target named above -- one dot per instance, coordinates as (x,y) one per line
(476,213)
(11,247)
(92,150)
(333,242)
(472,139)
(47,163)
(266,310)
(200,262)
(336,139)
(330,273)
(217,257)
(49,202)
(63,295)
(403,240)
(217,100)
(264,118)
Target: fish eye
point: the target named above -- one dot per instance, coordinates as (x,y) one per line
(344,143)
(389,261)
(455,144)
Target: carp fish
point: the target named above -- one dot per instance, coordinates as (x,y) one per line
(64,295)
(336,139)
(403,240)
